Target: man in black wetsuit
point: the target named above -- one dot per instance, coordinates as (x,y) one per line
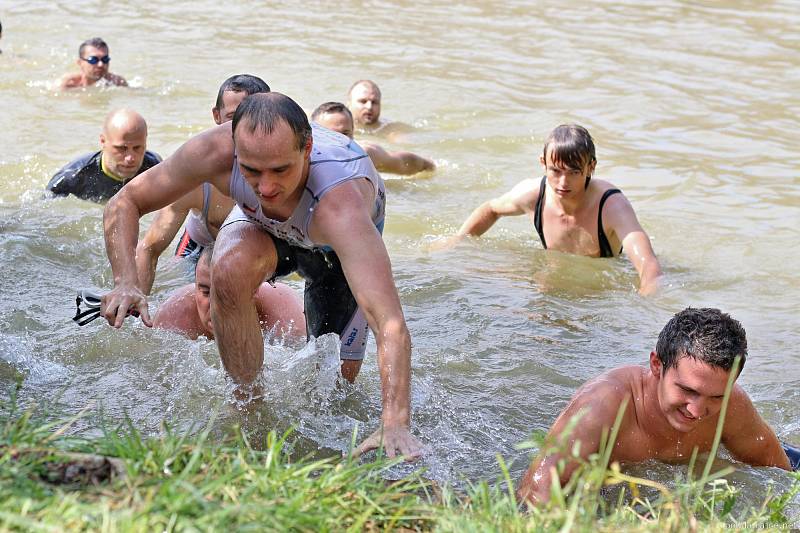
(572,212)
(123,155)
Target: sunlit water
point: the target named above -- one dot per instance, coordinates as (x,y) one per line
(694,108)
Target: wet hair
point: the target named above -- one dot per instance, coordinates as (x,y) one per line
(241,83)
(367,82)
(97,42)
(205,256)
(331,107)
(570,145)
(263,111)
(705,334)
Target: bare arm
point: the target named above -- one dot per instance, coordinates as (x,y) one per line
(403,163)
(589,414)
(206,157)
(517,201)
(342,221)
(620,219)
(748,437)
(163,229)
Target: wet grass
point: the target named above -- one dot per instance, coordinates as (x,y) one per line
(51,481)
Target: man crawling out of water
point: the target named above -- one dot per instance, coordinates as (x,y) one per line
(672,406)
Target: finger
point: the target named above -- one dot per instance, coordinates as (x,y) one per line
(144,314)
(121,313)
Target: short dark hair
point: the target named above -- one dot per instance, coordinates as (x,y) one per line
(705,334)
(97,42)
(205,256)
(331,107)
(263,111)
(241,83)
(571,145)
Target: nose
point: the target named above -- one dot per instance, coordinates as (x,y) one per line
(368,104)
(265,188)
(697,408)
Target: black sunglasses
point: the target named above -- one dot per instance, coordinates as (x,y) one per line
(93,60)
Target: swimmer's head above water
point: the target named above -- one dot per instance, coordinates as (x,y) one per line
(232,92)
(202,287)
(123,142)
(694,356)
(570,147)
(334,116)
(364,102)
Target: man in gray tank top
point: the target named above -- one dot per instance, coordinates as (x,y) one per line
(310,202)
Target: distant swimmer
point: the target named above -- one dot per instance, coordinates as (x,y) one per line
(335,116)
(571,211)
(307,201)
(364,102)
(123,155)
(93,61)
(188,309)
(205,206)
(672,406)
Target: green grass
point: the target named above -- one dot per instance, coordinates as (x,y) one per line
(187,483)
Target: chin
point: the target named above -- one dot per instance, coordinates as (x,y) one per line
(680,424)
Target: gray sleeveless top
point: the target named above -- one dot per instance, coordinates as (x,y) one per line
(334,159)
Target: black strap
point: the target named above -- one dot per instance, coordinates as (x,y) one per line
(537,213)
(91,300)
(605,247)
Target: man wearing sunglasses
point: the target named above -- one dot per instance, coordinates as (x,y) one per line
(93,61)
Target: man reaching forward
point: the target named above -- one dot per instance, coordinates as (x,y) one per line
(308,200)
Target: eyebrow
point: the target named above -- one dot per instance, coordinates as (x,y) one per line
(690,389)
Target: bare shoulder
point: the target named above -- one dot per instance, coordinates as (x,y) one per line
(69,81)
(117,80)
(741,412)
(344,213)
(521,198)
(604,394)
(212,151)
(176,312)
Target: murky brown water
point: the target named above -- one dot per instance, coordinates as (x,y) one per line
(694,108)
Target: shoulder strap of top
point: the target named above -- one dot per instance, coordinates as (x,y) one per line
(537,213)
(206,200)
(605,247)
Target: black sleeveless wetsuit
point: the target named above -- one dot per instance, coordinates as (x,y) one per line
(84,177)
(605,247)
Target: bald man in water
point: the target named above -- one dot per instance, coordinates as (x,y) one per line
(123,155)
(364,102)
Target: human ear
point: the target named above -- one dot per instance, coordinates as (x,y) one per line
(655,364)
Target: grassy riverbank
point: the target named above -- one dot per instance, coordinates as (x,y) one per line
(50,481)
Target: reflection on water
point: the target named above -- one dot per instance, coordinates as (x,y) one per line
(694,108)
